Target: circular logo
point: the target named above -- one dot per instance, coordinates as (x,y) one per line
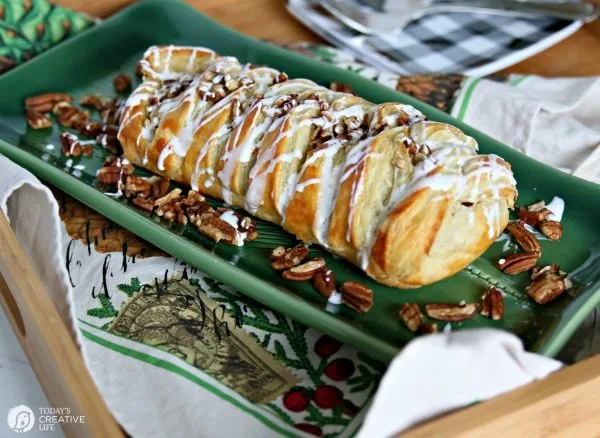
(21,419)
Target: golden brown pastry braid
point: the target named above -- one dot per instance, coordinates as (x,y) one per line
(408,200)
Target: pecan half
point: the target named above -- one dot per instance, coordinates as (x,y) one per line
(324,282)
(44,103)
(160,186)
(546,288)
(290,258)
(551,229)
(517,263)
(122,83)
(38,120)
(357,296)
(451,312)
(305,271)
(492,304)
(524,237)
(411,316)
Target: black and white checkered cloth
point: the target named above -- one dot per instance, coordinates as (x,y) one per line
(474,44)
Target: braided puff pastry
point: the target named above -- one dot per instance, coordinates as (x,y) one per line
(408,200)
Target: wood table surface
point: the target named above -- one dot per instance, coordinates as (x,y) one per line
(578,55)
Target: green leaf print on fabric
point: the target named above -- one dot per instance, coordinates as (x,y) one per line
(28,27)
(106,311)
(132,288)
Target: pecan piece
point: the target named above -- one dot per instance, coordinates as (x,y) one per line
(73,117)
(538,271)
(517,263)
(546,288)
(91,129)
(324,282)
(492,304)
(122,83)
(342,88)
(92,100)
(110,175)
(44,103)
(173,195)
(531,217)
(524,237)
(136,185)
(215,228)
(451,312)
(38,120)
(551,229)
(305,271)
(144,203)
(70,145)
(357,296)
(411,316)
(428,328)
(290,258)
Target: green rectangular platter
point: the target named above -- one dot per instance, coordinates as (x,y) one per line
(87,63)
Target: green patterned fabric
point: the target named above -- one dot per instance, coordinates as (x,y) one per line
(28,27)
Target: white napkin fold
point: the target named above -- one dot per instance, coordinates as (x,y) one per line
(33,214)
(438,373)
(555,121)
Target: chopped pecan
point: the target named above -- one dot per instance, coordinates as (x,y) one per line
(342,88)
(427,328)
(411,316)
(136,185)
(110,175)
(546,288)
(551,229)
(290,258)
(44,103)
(60,107)
(71,147)
(538,271)
(215,228)
(38,120)
(122,83)
(324,282)
(92,100)
(91,129)
(532,218)
(451,312)
(536,206)
(517,263)
(144,203)
(492,304)
(357,296)
(72,117)
(305,271)
(159,186)
(173,195)
(524,237)
(282,77)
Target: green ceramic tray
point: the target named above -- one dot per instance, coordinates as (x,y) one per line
(88,62)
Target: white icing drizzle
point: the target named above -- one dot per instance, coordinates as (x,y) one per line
(232,219)
(557,207)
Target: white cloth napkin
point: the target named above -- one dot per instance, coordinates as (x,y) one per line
(33,214)
(555,121)
(438,373)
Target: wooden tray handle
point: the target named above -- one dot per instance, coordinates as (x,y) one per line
(48,344)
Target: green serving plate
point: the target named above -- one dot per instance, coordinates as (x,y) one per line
(87,64)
